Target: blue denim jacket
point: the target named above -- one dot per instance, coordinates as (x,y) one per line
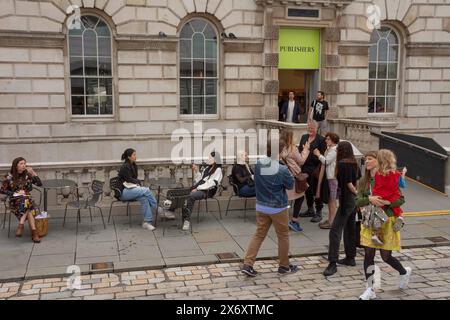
(271,188)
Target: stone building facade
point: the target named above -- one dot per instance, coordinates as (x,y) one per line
(143,104)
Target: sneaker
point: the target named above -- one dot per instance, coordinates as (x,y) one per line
(369,294)
(325,225)
(404,279)
(317,218)
(169,215)
(249,271)
(307,214)
(376,240)
(292,269)
(148,226)
(330,270)
(398,224)
(295,226)
(186,225)
(347,262)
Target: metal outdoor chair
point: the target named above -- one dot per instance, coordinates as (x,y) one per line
(220,188)
(237,195)
(95,195)
(115,185)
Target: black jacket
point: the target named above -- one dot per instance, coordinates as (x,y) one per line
(312,162)
(241,176)
(295,114)
(128,173)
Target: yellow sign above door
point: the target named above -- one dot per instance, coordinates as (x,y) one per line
(299,48)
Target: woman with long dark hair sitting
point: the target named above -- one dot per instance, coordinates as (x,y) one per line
(17,186)
(132,190)
(207,183)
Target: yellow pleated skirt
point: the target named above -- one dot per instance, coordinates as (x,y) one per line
(392,241)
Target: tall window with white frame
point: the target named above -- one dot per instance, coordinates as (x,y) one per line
(90,52)
(383,71)
(198,68)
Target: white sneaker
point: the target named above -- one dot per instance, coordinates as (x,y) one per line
(369,294)
(186,225)
(169,215)
(148,226)
(404,279)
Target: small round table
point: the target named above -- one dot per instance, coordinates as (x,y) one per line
(56,184)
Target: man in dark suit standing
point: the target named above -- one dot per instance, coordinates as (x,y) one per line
(291,110)
(312,168)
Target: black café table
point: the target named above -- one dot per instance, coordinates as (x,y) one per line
(56,184)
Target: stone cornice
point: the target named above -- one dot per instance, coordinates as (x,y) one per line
(311,3)
(32,40)
(428,49)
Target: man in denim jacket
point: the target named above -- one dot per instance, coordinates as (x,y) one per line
(272,179)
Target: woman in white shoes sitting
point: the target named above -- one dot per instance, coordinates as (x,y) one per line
(391,234)
(131,188)
(207,183)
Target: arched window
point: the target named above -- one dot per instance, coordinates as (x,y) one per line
(91,68)
(198,68)
(383,71)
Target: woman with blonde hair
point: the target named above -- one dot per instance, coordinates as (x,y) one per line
(293,160)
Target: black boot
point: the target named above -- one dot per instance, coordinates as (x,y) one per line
(347,262)
(330,270)
(308,213)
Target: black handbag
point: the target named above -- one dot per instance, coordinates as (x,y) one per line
(325,191)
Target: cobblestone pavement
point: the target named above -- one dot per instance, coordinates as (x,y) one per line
(430,280)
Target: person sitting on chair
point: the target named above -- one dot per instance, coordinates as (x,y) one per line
(243,176)
(207,183)
(128,175)
(17,186)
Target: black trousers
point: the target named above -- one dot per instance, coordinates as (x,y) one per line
(194,196)
(309,194)
(344,222)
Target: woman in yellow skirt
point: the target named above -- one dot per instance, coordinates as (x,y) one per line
(391,239)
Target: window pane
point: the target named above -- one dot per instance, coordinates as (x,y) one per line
(211,49)
(185,105)
(209,32)
(75,31)
(211,105)
(76,66)
(104,67)
(382,50)
(211,87)
(199,89)
(372,70)
(380,105)
(91,86)
(198,105)
(382,71)
(185,68)
(374,37)
(381,88)
(187,32)
(185,49)
(76,46)
(390,104)
(77,85)
(391,88)
(92,106)
(89,21)
(105,87)
(198,25)
(104,47)
(199,68)
(106,105)
(185,87)
(77,105)
(90,66)
(102,29)
(371,105)
(373,53)
(392,72)
(199,46)
(90,44)
(371,87)
(393,53)
(392,38)
(211,68)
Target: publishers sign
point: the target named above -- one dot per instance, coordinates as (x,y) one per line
(299,48)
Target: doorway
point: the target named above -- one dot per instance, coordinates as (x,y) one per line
(304,84)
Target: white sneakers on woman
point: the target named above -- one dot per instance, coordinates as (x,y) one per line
(404,279)
(369,294)
(148,226)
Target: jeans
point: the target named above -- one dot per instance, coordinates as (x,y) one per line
(263,222)
(145,197)
(247,191)
(194,196)
(344,221)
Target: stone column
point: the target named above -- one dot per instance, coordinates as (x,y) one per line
(271,84)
